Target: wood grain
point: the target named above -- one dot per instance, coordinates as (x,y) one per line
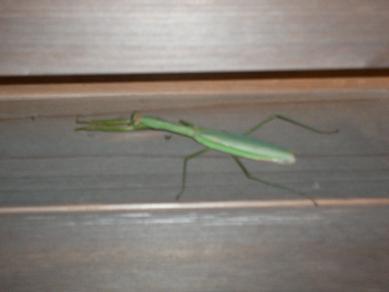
(295,250)
(46,166)
(54,99)
(43,161)
(130,37)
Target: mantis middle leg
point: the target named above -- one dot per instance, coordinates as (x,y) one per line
(184,169)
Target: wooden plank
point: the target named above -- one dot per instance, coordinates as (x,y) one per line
(43,161)
(202,85)
(313,249)
(44,164)
(131,37)
(77,97)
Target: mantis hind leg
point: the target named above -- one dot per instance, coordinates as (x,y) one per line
(291,121)
(184,169)
(272,184)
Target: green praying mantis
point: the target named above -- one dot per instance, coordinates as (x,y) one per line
(237,145)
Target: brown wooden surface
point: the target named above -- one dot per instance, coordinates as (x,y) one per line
(77,96)
(43,162)
(121,37)
(310,249)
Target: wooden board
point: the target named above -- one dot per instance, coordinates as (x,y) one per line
(78,96)
(44,161)
(71,203)
(267,250)
(131,37)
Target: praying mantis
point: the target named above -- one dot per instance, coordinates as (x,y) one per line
(237,145)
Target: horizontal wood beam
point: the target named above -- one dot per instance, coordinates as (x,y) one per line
(135,37)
